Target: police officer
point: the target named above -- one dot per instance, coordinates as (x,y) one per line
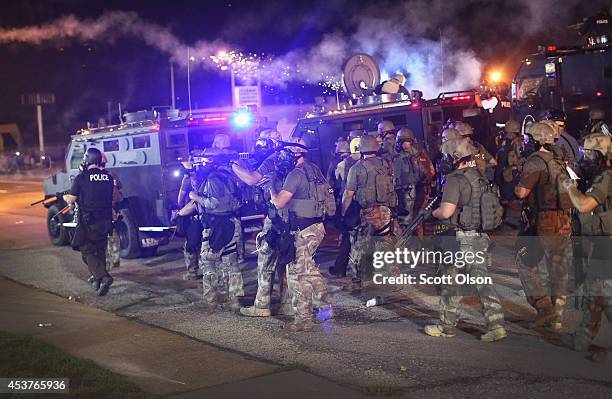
(92,191)
(597,123)
(386,132)
(595,205)
(268,174)
(413,172)
(509,160)
(193,227)
(394,85)
(342,151)
(306,224)
(484,160)
(113,246)
(349,222)
(460,195)
(370,184)
(218,201)
(549,218)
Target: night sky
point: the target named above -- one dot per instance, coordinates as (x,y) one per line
(84,76)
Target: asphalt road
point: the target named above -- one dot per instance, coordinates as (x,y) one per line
(381,350)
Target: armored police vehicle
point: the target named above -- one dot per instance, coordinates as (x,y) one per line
(426,118)
(144,153)
(570,79)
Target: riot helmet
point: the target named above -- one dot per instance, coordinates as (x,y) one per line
(369,145)
(458,149)
(92,156)
(464,128)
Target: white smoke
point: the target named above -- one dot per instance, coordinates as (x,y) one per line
(110,27)
(425,40)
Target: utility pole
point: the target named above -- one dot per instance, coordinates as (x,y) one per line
(189,79)
(38,99)
(172,85)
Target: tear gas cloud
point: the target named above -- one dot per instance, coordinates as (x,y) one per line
(421,39)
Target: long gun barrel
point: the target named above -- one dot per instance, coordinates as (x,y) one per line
(51,199)
(420,218)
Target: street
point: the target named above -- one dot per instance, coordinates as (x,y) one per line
(377,350)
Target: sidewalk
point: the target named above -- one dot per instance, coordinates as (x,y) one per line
(159,361)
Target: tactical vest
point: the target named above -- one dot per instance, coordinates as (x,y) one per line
(550,195)
(480,158)
(511,158)
(378,189)
(229,201)
(483,211)
(598,222)
(409,172)
(346,165)
(320,201)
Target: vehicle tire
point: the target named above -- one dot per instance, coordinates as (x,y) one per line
(129,241)
(58,234)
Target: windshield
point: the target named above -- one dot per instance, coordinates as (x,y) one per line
(529,86)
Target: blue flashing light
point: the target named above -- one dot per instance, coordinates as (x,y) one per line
(242,119)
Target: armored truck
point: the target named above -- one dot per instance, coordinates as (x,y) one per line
(144,153)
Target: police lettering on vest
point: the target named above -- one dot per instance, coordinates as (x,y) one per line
(99,177)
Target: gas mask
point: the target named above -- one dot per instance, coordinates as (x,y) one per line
(589,164)
(446,164)
(263,148)
(285,162)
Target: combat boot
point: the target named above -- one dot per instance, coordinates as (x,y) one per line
(95,284)
(495,333)
(438,330)
(105,284)
(286,309)
(301,325)
(545,316)
(252,311)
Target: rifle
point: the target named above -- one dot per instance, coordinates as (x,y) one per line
(51,199)
(421,217)
(62,211)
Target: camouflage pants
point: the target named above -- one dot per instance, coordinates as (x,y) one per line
(222,277)
(193,246)
(303,276)
(598,301)
(450,295)
(112,251)
(376,233)
(267,264)
(554,240)
(407,200)
(192,260)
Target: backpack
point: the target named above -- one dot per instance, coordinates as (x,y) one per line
(484,211)
(321,201)
(551,195)
(379,189)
